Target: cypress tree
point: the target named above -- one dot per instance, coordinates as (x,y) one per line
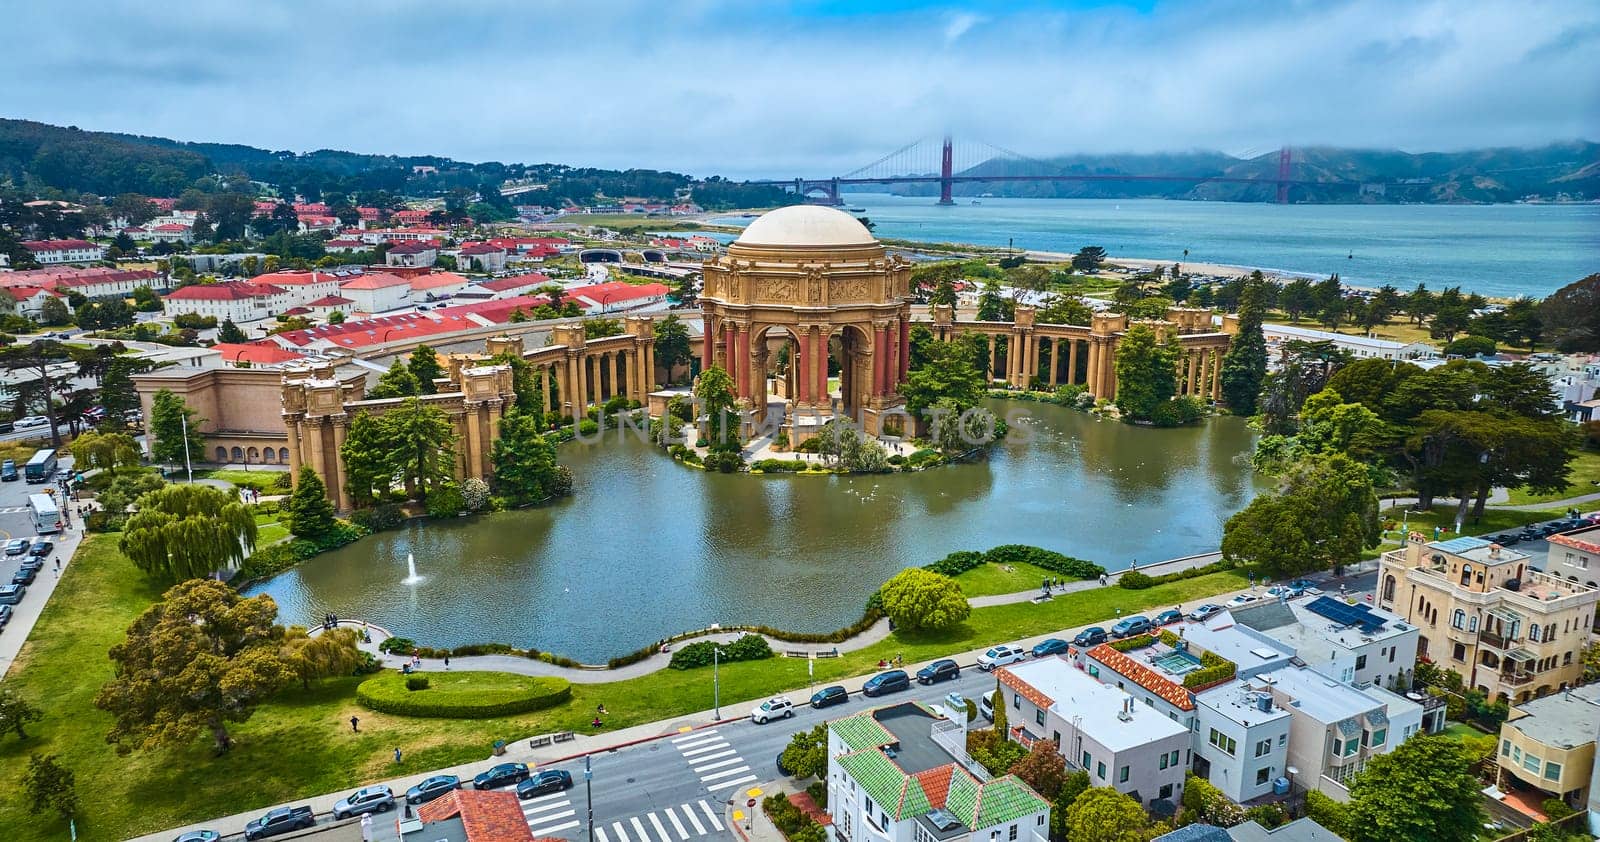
(1244,367)
(310,512)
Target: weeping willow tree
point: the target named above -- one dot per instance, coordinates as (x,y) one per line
(188,532)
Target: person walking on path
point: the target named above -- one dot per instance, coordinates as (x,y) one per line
(447,662)
(397,754)
(355,725)
(366,827)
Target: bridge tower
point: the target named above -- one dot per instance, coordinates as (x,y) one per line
(1284,156)
(946,170)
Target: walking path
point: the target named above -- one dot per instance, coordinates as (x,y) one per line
(1499,496)
(600,675)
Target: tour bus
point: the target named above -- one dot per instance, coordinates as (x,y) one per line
(41,467)
(46,514)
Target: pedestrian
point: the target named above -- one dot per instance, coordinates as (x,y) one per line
(355,724)
(447,662)
(366,827)
(397,754)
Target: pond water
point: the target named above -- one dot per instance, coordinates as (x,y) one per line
(647,548)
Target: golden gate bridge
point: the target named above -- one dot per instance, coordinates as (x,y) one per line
(922,162)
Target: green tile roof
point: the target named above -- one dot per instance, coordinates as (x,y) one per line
(878,775)
(962,801)
(862,731)
(915,801)
(1004,800)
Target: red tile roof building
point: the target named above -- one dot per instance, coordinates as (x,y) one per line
(485,815)
(616,295)
(1130,668)
(256,354)
(64,251)
(241,301)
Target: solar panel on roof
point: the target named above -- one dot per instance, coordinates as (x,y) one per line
(1346,614)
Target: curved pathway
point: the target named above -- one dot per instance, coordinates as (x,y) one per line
(601,675)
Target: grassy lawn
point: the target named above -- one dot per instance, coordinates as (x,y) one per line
(1460,731)
(270,533)
(1494,520)
(990,579)
(301,744)
(1585,480)
(262,481)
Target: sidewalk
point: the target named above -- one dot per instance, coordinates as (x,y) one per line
(26,613)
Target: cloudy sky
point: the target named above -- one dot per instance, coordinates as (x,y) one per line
(770,88)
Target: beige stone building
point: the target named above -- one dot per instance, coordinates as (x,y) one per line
(1483,612)
(1548,743)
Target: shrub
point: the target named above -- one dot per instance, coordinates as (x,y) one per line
(916,598)
(475,493)
(1133,580)
(1138,641)
(283,481)
(725,461)
(416,682)
(778,466)
(957,563)
(463,695)
(1555,808)
(1177,412)
(1051,560)
(446,501)
(750,647)
(897,460)
(1470,346)
(1220,669)
(397,645)
(588,427)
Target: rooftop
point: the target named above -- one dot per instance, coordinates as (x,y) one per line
(1566,719)
(1148,677)
(485,815)
(1479,550)
(1098,708)
(1239,701)
(1303,829)
(806,225)
(374,280)
(1585,540)
(228,291)
(1341,338)
(1311,634)
(1318,696)
(1249,650)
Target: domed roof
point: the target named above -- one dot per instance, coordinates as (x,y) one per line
(806,225)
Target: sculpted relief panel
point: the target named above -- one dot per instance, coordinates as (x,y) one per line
(777,289)
(850,289)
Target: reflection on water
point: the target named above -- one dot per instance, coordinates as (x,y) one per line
(647,548)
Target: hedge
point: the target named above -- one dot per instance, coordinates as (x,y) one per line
(793,824)
(1214,668)
(1133,580)
(1138,641)
(750,647)
(463,695)
(957,563)
(1051,560)
(779,466)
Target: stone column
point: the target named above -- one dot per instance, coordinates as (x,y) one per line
(801,366)
(497,410)
(708,338)
(821,370)
(1072,360)
(311,433)
(647,372)
(341,428)
(470,420)
(1193,384)
(549,391)
(1097,352)
(905,351)
(1055,361)
(994,354)
(292,426)
(1216,375)
(616,373)
(880,357)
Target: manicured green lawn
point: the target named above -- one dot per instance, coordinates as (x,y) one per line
(301,744)
(1585,473)
(262,481)
(270,533)
(1494,520)
(990,579)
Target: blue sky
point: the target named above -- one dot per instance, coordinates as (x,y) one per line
(808,87)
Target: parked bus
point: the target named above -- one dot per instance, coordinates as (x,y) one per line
(41,467)
(46,515)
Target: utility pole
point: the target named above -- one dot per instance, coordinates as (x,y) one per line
(188,469)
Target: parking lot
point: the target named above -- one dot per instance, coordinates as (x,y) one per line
(16,521)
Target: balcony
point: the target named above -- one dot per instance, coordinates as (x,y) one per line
(1496,640)
(1516,679)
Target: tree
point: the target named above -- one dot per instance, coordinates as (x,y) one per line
(1572,315)
(1423,791)
(397,382)
(1470,346)
(230,332)
(188,531)
(202,657)
(1105,815)
(1088,259)
(118,397)
(53,312)
(1044,768)
(714,390)
(50,786)
(424,366)
(672,346)
(423,441)
(524,461)
(948,374)
(310,512)
(107,451)
(1451,315)
(806,756)
(1064,310)
(1147,374)
(368,467)
(1244,366)
(168,417)
(916,598)
(333,652)
(993,306)
(336,317)
(145,300)
(1326,514)
(15,712)
(1297,298)
(106,313)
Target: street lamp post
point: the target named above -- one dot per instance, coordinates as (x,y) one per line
(716,685)
(188,469)
(588,792)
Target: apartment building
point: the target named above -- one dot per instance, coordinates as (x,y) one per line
(1354,644)
(1335,728)
(1549,743)
(1575,555)
(901,774)
(1510,631)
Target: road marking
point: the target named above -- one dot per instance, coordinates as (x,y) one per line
(547,798)
(544,808)
(661,830)
(710,816)
(688,813)
(709,766)
(697,739)
(548,817)
(621,834)
(703,745)
(673,817)
(725,784)
(684,729)
(600,834)
(638,827)
(697,761)
(545,831)
(724,773)
(692,753)
(696,735)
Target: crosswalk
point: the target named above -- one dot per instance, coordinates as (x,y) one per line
(549,815)
(716,762)
(700,817)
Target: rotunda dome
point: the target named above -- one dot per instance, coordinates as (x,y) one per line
(806,225)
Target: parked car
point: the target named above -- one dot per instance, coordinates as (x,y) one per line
(942,670)
(25,576)
(1168,617)
(1592,517)
(17,546)
(1053,646)
(1243,599)
(1306,586)
(199,836)
(27,421)
(41,548)
(8,468)
(545,782)
(829,696)
(370,799)
(1205,612)
(777,707)
(892,681)
(5,615)
(432,788)
(1001,655)
(7,426)
(280,821)
(1130,626)
(12,594)
(502,775)
(986,706)
(1091,636)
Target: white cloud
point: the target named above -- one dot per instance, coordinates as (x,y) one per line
(715,86)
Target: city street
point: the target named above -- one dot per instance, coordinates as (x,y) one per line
(16,521)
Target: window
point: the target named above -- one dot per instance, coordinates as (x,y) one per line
(1166,791)
(1038,716)
(1122,775)
(1223,741)
(1566,660)
(1100,770)
(1516,754)
(921,834)
(1379,736)
(1012,834)
(1283,739)
(1472,624)
(1460,653)
(1533,633)
(1552,771)
(1016,700)
(1039,820)
(1163,761)
(1263,774)
(1361,662)
(1263,747)
(1351,746)
(1458,618)
(1505,748)
(1174,756)
(1530,763)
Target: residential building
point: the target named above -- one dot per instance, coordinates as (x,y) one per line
(1379,649)
(412,253)
(311,224)
(612,296)
(91,282)
(1241,739)
(49,252)
(1360,347)
(377,292)
(401,235)
(1510,631)
(1336,728)
(436,285)
(505,287)
(481,257)
(1575,554)
(1097,728)
(411,217)
(303,287)
(901,774)
(345,245)
(327,305)
(468,815)
(1548,743)
(241,301)
(26,300)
